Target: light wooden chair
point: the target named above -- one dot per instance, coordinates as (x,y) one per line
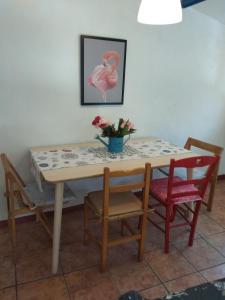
(215,150)
(117,202)
(23,199)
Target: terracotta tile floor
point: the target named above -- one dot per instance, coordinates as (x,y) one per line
(29,276)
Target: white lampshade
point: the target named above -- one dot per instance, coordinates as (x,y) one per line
(160,12)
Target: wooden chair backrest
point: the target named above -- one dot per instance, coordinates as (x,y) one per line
(214,149)
(191,142)
(13,181)
(208,162)
(143,184)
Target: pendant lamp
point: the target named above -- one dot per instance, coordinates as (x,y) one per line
(160,12)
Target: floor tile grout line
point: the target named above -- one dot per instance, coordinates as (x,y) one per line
(88,268)
(208,242)
(167,290)
(196,271)
(170,292)
(67,287)
(153,271)
(210,235)
(204,277)
(180,252)
(39,279)
(164,283)
(210,217)
(187,260)
(200,270)
(154,286)
(214,266)
(186,275)
(7,287)
(78,269)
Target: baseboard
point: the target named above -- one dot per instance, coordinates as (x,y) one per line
(31,218)
(221,177)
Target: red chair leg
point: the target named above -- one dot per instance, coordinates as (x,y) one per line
(194,222)
(167,229)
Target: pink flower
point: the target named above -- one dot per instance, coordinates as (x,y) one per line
(130,126)
(123,124)
(102,123)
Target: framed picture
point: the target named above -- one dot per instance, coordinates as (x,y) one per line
(103,62)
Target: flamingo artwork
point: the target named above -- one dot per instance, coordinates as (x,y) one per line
(104,76)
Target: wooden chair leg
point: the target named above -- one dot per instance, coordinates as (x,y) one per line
(43,216)
(211,195)
(37,218)
(194,223)
(13,229)
(167,230)
(143,226)
(104,247)
(44,222)
(85,241)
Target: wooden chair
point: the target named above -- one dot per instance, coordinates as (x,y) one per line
(175,194)
(117,202)
(23,199)
(215,150)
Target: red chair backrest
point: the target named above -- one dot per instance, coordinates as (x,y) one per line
(208,162)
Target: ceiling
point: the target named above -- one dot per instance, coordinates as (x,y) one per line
(213,8)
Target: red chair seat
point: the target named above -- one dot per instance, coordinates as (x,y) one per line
(159,190)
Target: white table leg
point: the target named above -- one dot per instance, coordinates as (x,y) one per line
(59,187)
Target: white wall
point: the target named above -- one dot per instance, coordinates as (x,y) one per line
(175,75)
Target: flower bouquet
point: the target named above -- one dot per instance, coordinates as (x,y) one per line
(113,132)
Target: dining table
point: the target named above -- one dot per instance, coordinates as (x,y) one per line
(58,164)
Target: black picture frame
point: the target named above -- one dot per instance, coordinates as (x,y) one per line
(102,70)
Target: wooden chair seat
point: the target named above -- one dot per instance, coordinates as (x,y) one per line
(119,203)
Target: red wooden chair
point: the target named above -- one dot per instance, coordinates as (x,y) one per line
(175,194)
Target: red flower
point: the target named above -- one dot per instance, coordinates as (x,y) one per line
(96,120)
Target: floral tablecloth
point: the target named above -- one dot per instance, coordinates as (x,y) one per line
(80,156)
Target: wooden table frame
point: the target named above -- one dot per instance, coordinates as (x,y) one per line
(59,176)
